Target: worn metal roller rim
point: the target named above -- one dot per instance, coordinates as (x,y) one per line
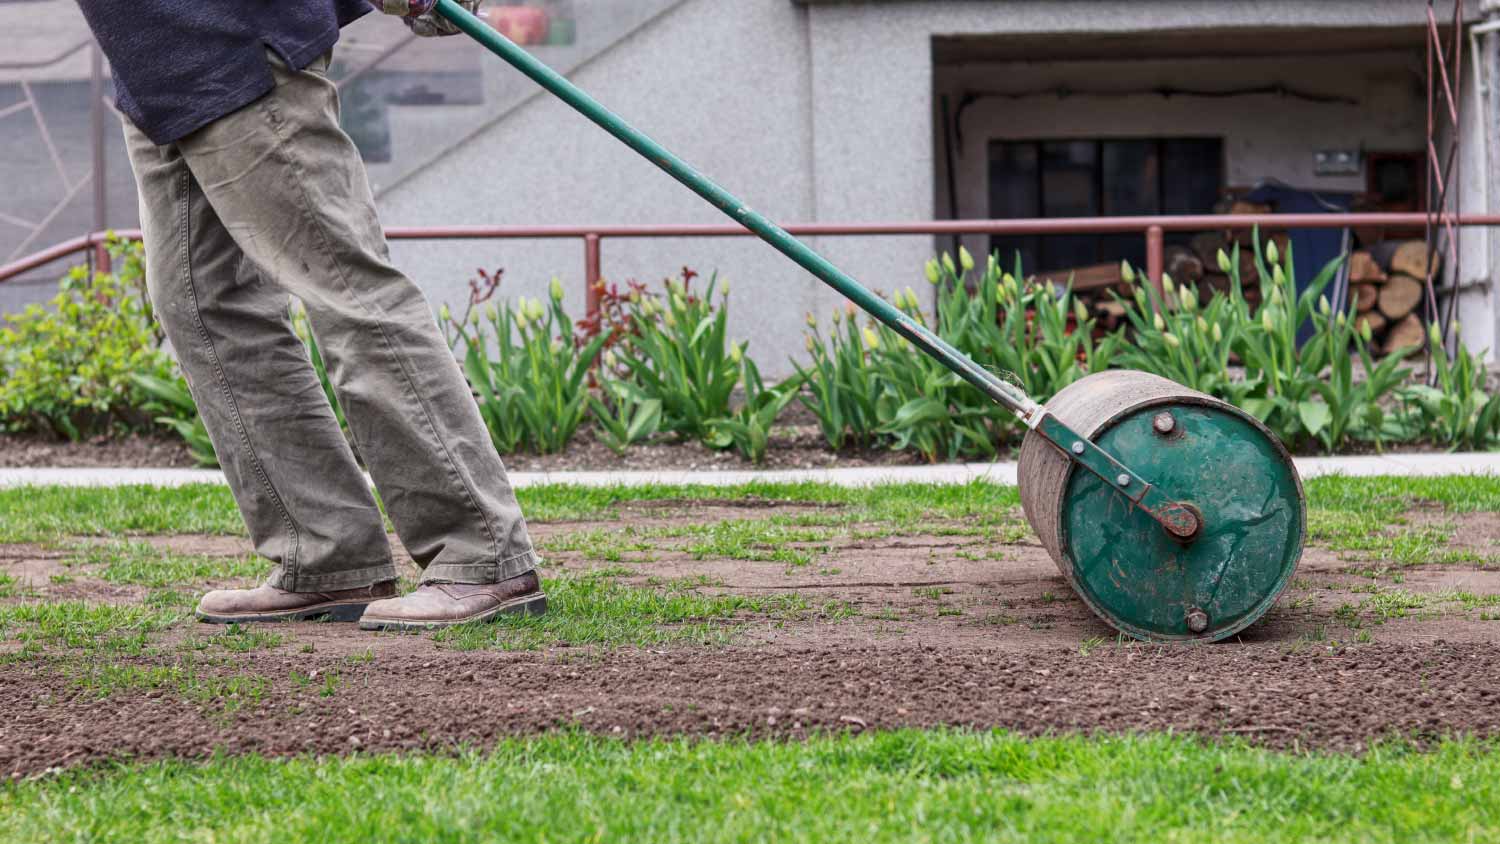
(1165,530)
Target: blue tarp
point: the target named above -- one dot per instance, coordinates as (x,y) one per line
(1311,248)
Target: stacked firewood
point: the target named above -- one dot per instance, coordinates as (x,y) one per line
(1386,283)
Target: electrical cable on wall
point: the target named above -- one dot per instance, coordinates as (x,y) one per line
(1166,92)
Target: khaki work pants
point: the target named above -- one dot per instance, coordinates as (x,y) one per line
(270,202)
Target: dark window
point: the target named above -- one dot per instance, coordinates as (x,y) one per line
(1098,178)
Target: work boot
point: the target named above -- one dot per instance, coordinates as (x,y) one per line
(267,603)
(446,604)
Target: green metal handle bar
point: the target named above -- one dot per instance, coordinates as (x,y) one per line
(1176,518)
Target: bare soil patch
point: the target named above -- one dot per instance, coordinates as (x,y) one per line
(943,627)
(441,701)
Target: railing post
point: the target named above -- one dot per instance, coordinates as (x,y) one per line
(591,274)
(1155,259)
(101,253)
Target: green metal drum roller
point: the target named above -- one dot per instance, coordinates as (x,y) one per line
(1216,460)
(1175,516)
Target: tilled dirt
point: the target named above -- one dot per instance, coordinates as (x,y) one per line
(443,700)
(933,629)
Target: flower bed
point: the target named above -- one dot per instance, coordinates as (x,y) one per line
(657,367)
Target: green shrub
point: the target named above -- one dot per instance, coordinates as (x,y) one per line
(1457,412)
(922,405)
(1305,394)
(624,413)
(303,328)
(68,370)
(870,385)
(1177,339)
(177,411)
(1037,334)
(678,352)
(530,374)
(749,429)
(840,383)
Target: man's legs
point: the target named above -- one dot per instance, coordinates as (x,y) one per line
(293,189)
(304,500)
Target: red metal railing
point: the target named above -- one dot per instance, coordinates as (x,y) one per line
(1153,229)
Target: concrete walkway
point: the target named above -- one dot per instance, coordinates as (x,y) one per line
(1401,465)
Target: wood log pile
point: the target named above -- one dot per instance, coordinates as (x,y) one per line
(1386,283)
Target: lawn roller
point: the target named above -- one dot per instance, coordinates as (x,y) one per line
(1175,516)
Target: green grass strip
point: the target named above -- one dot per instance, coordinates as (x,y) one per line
(83,626)
(142,564)
(46,513)
(593,609)
(895,787)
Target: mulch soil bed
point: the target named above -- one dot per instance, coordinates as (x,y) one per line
(444,701)
(135,452)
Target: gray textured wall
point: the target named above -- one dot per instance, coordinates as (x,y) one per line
(724,83)
(815,111)
(811,111)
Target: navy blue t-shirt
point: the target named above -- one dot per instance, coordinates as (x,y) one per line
(180,64)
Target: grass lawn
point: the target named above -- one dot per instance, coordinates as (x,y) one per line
(944,785)
(904,786)
(43,514)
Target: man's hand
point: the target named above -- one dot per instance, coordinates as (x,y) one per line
(419,16)
(404,8)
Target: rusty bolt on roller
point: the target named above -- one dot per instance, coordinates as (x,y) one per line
(1164,423)
(1197,620)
